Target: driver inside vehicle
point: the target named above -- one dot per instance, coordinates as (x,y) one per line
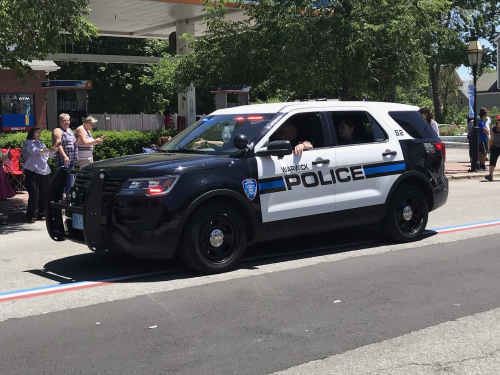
(288,132)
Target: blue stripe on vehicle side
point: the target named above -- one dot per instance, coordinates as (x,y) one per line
(385,168)
(271,185)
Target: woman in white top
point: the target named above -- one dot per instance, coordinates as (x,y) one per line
(86,142)
(429,117)
(37,173)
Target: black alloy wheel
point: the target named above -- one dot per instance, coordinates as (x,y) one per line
(217,239)
(214,238)
(407,214)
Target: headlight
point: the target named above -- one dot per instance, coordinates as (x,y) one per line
(149,186)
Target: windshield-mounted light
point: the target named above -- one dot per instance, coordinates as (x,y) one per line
(149,186)
(255,118)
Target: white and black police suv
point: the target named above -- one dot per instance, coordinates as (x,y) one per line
(234,179)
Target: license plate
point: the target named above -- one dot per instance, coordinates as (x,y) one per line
(78,221)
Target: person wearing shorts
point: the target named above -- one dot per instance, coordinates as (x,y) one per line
(483,140)
(495,147)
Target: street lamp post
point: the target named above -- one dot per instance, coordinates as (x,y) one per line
(474,55)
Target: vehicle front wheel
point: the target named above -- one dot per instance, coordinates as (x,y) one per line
(214,238)
(406,215)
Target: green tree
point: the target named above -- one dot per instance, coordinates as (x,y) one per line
(120,88)
(445,40)
(31,29)
(349,49)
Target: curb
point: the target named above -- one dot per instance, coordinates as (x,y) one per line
(456,145)
(471,176)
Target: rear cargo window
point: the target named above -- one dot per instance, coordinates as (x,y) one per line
(413,123)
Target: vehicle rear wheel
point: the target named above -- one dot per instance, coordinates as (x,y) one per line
(406,215)
(214,238)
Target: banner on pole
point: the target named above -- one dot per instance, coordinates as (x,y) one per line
(471,101)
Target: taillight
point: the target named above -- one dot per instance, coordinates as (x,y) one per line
(441,147)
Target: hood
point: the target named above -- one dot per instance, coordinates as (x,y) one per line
(157,164)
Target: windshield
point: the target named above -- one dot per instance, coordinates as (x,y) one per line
(214,134)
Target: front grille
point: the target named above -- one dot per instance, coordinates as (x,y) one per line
(112,187)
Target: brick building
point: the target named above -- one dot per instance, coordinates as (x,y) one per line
(23,105)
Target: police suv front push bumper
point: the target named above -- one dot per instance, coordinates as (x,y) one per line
(123,224)
(59,213)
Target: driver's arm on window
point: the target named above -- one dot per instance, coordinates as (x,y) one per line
(302,146)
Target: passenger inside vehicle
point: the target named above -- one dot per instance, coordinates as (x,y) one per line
(359,122)
(346,133)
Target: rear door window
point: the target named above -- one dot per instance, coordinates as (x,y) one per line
(356,127)
(413,123)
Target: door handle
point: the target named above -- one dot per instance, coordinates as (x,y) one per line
(326,161)
(388,153)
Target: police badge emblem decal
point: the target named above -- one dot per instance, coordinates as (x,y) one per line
(250,187)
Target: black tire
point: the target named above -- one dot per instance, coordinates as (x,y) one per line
(202,252)
(406,215)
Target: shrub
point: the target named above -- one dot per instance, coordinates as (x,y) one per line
(451,130)
(116,144)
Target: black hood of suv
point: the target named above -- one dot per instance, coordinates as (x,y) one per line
(157,164)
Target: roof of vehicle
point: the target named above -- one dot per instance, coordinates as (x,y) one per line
(289,106)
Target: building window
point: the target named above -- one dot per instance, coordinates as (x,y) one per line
(461,101)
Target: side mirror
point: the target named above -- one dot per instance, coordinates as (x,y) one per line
(240,141)
(277,148)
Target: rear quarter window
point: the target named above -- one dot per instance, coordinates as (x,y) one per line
(413,123)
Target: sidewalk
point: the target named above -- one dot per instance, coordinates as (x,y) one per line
(456,167)
(457,163)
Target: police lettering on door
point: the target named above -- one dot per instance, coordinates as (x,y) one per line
(311,179)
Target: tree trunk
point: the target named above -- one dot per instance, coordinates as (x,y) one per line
(434,76)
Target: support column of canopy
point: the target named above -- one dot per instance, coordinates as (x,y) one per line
(187,100)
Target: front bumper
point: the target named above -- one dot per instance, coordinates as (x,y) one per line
(107,224)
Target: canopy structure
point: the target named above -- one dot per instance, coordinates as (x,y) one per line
(157,19)
(149,18)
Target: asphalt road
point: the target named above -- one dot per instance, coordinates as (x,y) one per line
(341,303)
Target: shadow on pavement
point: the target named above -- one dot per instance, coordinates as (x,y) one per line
(104,265)
(12,214)
(15,222)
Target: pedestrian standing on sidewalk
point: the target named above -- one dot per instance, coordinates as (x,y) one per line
(36,173)
(495,147)
(488,124)
(470,128)
(67,152)
(86,142)
(429,117)
(483,140)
